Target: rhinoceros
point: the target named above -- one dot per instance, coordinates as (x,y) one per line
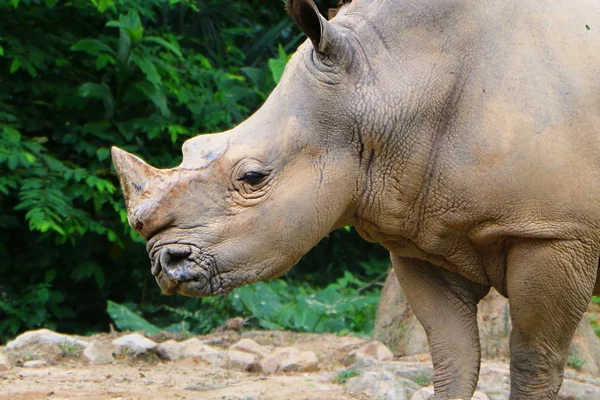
(462,135)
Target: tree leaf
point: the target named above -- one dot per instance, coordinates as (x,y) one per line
(147,68)
(92,46)
(277,65)
(164,44)
(126,320)
(11,134)
(102,60)
(93,90)
(156,95)
(14,66)
(103,153)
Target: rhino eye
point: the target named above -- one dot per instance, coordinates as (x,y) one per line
(253,178)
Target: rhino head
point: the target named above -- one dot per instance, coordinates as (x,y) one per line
(245,205)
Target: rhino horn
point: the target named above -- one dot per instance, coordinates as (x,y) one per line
(138,181)
(324,36)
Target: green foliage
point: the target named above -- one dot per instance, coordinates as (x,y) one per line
(339,307)
(81,76)
(575,361)
(595,322)
(78,77)
(125,319)
(343,376)
(342,307)
(277,65)
(423,380)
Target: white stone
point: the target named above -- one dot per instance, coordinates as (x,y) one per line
(191,348)
(35,364)
(290,359)
(170,350)
(426,393)
(5,364)
(369,353)
(135,343)
(381,385)
(44,336)
(197,350)
(243,361)
(99,353)
(250,346)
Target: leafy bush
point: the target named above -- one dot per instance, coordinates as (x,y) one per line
(340,307)
(348,305)
(78,77)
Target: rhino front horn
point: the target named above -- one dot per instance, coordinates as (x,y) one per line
(138,181)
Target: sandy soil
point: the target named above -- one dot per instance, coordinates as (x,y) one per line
(69,376)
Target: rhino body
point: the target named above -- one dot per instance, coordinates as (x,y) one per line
(462,135)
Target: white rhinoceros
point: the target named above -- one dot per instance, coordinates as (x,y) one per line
(462,135)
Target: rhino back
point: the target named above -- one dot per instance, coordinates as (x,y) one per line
(512,148)
(528,127)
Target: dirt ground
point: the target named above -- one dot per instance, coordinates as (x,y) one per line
(69,376)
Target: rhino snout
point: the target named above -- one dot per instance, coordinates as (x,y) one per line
(180,269)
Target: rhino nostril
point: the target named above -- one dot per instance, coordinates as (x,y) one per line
(170,259)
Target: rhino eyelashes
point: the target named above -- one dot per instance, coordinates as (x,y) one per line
(253,177)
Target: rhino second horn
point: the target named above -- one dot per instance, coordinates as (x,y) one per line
(326,38)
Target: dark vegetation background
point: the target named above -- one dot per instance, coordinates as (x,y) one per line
(78,76)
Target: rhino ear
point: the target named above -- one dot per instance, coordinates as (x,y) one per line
(323,35)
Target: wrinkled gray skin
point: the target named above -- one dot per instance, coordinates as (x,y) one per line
(462,135)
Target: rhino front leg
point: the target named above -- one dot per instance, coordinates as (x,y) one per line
(549,285)
(446,305)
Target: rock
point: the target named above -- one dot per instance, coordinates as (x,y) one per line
(395,323)
(584,355)
(191,348)
(494,380)
(243,361)
(381,385)
(577,390)
(419,372)
(290,359)
(397,327)
(99,353)
(368,354)
(44,336)
(423,394)
(35,364)
(5,364)
(493,319)
(250,346)
(427,393)
(170,350)
(135,343)
(234,324)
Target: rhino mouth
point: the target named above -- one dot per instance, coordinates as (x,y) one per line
(187,270)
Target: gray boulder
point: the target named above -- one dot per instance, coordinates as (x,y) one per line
(381,385)
(44,336)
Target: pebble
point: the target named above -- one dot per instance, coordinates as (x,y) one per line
(44,336)
(35,364)
(135,343)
